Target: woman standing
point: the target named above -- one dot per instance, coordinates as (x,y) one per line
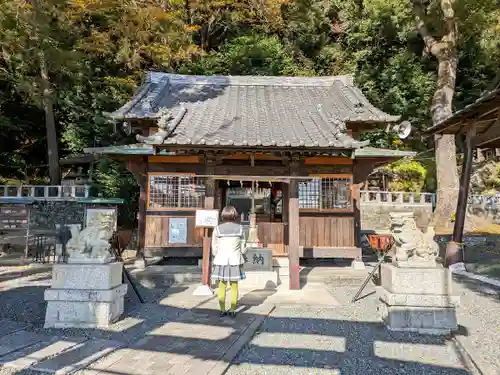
(228,247)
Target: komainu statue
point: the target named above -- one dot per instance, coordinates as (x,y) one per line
(166,125)
(413,248)
(92,243)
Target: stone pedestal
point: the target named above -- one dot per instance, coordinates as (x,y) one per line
(417,299)
(85,295)
(259,269)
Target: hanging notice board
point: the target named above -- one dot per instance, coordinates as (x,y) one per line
(177,230)
(15,216)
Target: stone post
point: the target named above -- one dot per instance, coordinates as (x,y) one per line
(87,292)
(415,293)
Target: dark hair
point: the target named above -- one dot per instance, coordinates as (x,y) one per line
(228,213)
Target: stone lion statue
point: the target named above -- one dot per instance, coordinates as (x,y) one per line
(412,245)
(93,241)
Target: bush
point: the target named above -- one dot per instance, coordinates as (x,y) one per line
(411,175)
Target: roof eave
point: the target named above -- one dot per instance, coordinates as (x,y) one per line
(454,123)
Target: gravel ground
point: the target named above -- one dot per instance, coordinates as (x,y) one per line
(479,313)
(347,339)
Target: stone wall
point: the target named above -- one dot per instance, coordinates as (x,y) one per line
(375,216)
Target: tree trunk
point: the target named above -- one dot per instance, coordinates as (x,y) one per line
(446,164)
(50,124)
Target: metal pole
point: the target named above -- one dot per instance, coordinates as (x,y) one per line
(367,279)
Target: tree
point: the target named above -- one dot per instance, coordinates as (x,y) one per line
(444,49)
(30,47)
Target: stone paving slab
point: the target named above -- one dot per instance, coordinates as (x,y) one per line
(18,340)
(31,355)
(9,326)
(195,343)
(77,357)
(347,340)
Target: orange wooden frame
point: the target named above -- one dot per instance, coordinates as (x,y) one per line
(167,174)
(332,210)
(326,160)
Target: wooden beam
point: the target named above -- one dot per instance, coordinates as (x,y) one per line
(179,159)
(325,160)
(454,252)
(491,134)
(257,156)
(293,229)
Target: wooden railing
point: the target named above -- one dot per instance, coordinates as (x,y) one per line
(45,192)
(397,197)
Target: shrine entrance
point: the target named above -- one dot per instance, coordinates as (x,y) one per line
(260,205)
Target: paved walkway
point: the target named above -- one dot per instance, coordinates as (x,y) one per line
(177,333)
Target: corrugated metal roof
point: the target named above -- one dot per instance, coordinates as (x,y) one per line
(254,110)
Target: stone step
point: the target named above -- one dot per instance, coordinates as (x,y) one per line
(163,276)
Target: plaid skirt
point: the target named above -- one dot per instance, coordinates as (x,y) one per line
(228,273)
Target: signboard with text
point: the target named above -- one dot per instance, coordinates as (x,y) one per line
(14,217)
(259,259)
(207,218)
(177,230)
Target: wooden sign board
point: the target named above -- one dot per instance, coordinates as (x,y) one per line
(207,218)
(14,217)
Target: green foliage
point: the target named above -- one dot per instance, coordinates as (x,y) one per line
(410,174)
(253,54)
(96,52)
(113,180)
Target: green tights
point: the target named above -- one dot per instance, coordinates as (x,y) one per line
(221,294)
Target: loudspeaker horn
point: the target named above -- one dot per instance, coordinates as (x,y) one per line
(403,130)
(127,128)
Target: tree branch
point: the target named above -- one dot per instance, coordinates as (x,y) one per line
(431,44)
(451,35)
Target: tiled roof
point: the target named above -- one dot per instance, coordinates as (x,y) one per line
(148,150)
(370,152)
(253,110)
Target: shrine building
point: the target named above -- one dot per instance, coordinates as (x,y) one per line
(284,151)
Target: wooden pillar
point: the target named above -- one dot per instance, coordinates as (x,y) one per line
(207,234)
(356,205)
(454,253)
(293,228)
(139,169)
(284,213)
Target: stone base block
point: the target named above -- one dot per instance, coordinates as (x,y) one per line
(203,290)
(85,295)
(87,276)
(281,265)
(84,308)
(420,300)
(260,280)
(357,265)
(425,320)
(434,281)
(417,312)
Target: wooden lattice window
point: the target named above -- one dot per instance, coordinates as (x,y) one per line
(176,192)
(326,193)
